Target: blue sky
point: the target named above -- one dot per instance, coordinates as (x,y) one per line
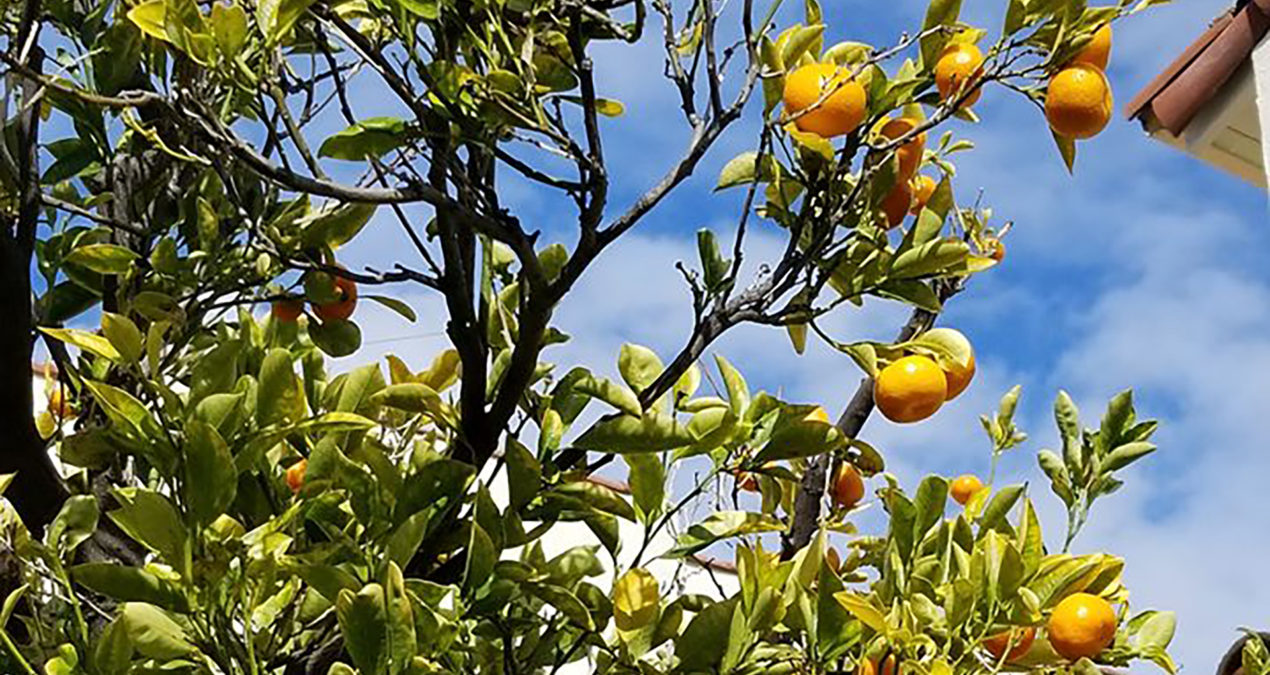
(1144,270)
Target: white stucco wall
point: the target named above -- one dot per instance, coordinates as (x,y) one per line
(1261,76)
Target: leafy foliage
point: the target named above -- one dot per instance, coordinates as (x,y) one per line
(235,508)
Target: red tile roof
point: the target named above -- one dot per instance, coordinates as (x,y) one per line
(1176,95)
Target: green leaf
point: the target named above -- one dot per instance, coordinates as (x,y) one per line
(703,642)
(104,258)
(1002,565)
(75,522)
(149,17)
(636,599)
(1157,631)
(746,168)
(413,397)
(112,652)
(229,28)
(336,226)
(66,301)
(1126,454)
(280,397)
(738,390)
(86,341)
(801,42)
(796,436)
(1067,417)
(1033,545)
(1060,481)
(928,504)
(938,13)
(994,514)
(211,478)
(524,474)
(329,580)
(276,17)
(1066,149)
(610,392)
(372,137)
(153,633)
(814,143)
(595,496)
(938,256)
(648,485)
(714,267)
(481,557)
(622,433)
(639,366)
(129,584)
(364,623)
(150,519)
(336,338)
(395,305)
(723,525)
(123,335)
(1015,16)
(862,608)
(565,602)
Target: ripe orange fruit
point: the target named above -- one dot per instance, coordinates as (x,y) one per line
(1097,52)
(295,475)
(909,154)
(832,559)
(1020,638)
(963,488)
(866,667)
(888,665)
(956,71)
(287,311)
(923,187)
(1078,102)
(843,108)
(1082,625)
(910,389)
(995,248)
(897,202)
(340,309)
(848,487)
(958,374)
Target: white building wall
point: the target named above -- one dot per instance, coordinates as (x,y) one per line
(1261,75)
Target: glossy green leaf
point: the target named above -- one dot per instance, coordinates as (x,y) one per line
(623,433)
(373,137)
(153,633)
(86,341)
(104,258)
(211,477)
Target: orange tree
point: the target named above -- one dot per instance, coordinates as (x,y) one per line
(165,169)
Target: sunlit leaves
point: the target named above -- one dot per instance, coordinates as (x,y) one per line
(369,138)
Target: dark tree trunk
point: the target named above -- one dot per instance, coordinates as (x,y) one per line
(37,491)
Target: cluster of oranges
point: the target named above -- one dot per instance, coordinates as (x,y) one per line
(914,387)
(824,99)
(1078,101)
(290,309)
(1081,626)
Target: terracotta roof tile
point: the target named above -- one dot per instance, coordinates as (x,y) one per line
(1177,94)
